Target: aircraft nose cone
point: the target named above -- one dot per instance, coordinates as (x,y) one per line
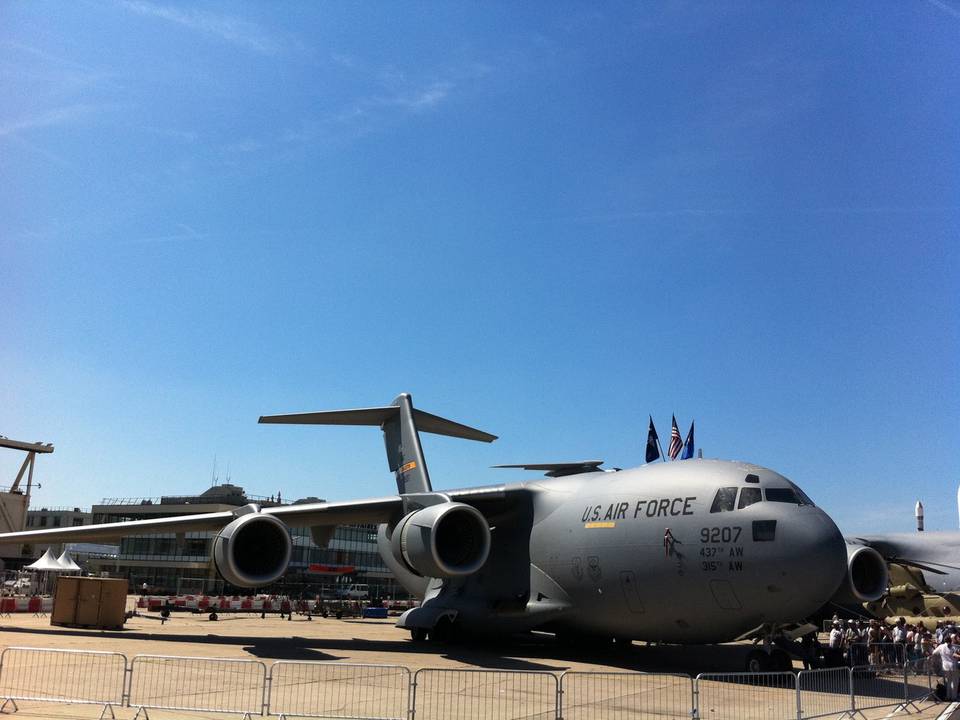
(815,564)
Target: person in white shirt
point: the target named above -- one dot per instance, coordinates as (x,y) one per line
(835,645)
(836,637)
(949,654)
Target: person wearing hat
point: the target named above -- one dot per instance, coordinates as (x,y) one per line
(858,652)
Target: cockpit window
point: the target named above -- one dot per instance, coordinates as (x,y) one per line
(725,500)
(804,499)
(748,496)
(783,495)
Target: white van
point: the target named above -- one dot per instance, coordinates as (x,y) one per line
(357,591)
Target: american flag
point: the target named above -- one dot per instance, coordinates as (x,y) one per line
(676,442)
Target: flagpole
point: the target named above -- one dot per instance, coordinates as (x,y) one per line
(660,447)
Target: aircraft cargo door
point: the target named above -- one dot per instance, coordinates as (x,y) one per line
(631,592)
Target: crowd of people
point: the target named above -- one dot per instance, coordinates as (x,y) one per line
(873,642)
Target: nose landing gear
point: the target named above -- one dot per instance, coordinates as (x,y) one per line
(774,653)
(775,660)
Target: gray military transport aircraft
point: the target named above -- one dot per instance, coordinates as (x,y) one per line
(699,551)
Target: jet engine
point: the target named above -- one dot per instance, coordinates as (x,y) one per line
(444,540)
(253,550)
(867,575)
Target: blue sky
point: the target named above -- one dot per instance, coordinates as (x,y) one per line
(545,220)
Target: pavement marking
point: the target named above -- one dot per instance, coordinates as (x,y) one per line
(945,715)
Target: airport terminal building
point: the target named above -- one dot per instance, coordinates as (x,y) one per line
(168,564)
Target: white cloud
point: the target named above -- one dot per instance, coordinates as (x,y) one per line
(242,33)
(426,97)
(184,233)
(949,9)
(57,116)
(186,136)
(247,145)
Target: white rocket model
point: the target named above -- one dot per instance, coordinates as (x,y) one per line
(918,513)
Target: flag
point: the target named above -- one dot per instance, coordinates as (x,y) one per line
(675,442)
(653,442)
(688,445)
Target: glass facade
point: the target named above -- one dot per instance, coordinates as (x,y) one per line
(168,564)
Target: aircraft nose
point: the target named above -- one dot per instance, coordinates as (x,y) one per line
(815,564)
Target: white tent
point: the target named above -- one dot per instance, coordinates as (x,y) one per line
(46,562)
(67,564)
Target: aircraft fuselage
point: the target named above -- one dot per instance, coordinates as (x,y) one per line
(693,551)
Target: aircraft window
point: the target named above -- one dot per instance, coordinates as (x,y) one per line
(751,478)
(748,496)
(783,495)
(803,496)
(725,500)
(764,530)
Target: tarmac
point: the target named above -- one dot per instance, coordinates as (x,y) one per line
(352,640)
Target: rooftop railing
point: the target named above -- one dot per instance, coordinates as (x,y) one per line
(227,498)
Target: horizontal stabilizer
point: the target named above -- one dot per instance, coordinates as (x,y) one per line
(378,416)
(560,469)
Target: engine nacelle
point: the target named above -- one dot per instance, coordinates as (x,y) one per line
(445,540)
(253,550)
(867,576)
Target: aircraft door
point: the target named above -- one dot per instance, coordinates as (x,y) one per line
(631,593)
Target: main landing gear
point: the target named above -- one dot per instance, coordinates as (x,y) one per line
(444,631)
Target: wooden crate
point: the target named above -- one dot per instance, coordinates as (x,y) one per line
(89,602)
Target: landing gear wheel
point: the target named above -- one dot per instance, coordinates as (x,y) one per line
(212,617)
(418,634)
(441,631)
(758,661)
(780,661)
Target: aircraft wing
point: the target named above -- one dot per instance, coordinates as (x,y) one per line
(928,551)
(936,553)
(371,510)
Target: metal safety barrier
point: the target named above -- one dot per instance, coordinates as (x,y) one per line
(67,676)
(625,696)
(161,682)
(338,690)
(747,696)
(480,694)
(878,686)
(824,693)
(389,692)
(919,679)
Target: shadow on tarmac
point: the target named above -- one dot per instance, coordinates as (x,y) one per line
(537,651)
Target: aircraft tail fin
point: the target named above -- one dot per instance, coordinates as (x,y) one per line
(400,423)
